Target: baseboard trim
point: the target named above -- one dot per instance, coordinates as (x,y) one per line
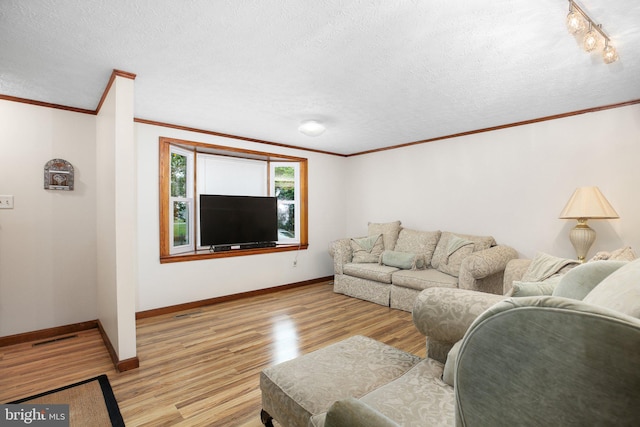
(128,364)
(48,333)
(120,365)
(211,301)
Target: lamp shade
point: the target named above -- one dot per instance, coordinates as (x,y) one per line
(588,202)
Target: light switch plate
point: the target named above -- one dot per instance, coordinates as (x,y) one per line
(6,202)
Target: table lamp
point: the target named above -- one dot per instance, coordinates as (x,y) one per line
(586,203)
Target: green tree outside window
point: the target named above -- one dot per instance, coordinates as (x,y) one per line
(180,209)
(285,193)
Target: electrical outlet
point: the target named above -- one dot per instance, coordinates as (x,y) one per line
(6,202)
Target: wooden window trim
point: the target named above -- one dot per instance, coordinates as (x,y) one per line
(164,177)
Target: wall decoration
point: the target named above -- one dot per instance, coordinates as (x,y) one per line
(58,175)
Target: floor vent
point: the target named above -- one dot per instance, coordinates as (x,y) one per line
(68,337)
(186,315)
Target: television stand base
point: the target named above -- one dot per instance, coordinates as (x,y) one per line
(256,245)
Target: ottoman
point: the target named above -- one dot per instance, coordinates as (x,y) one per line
(295,390)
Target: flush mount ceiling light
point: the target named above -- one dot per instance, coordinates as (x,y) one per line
(577,21)
(311,128)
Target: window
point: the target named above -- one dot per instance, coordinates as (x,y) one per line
(188,168)
(181,201)
(285,186)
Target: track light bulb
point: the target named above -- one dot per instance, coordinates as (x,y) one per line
(590,40)
(575,22)
(609,54)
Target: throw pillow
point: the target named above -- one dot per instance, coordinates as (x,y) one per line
(367,249)
(402,260)
(418,242)
(619,291)
(544,266)
(480,243)
(389,231)
(456,243)
(534,289)
(457,250)
(579,281)
(622,254)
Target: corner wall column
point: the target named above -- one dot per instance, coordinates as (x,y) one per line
(116,220)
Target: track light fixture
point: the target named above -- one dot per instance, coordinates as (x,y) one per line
(578,21)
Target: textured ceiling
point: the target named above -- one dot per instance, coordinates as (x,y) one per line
(378,73)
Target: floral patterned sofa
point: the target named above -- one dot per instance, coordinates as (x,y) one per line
(392,265)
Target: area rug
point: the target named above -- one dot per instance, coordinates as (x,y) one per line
(91,402)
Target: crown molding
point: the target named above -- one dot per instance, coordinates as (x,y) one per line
(226,135)
(505,126)
(46,104)
(114,74)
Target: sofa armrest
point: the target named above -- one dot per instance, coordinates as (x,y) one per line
(341,252)
(445,314)
(483,270)
(484,263)
(524,361)
(514,270)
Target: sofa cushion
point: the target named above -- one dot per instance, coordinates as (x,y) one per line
(417,398)
(367,249)
(423,279)
(402,260)
(376,272)
(619,291)
(418,242)
(389,231)
(579,281)
(480,243)
(353,413)
(448,374)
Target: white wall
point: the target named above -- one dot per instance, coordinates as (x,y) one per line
(511,183)
(161,285)
(48,241)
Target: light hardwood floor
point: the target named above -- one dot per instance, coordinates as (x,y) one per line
(201,367)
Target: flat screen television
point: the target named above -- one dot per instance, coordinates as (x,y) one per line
(246,221)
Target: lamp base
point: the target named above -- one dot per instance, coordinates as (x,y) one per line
(582,237)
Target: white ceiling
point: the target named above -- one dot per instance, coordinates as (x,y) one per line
(378,73)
